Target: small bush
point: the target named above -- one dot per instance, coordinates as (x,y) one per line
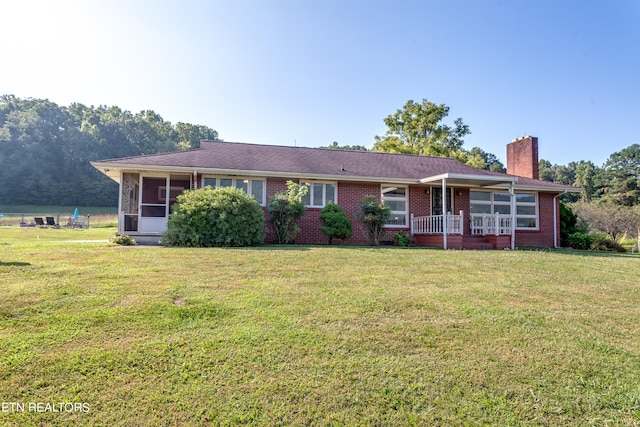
(579,240)
(335,223)
(124,240)
(602,242)
(402,238)
(208,216)
(373,216)
(285,210)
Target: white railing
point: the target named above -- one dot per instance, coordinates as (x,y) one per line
(432,224)
(491,224)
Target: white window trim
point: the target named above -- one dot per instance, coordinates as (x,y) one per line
(309,185)
(405,213)
(492,203)
(218,178)
(536,204)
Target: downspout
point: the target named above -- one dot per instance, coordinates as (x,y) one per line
(555,219)
(444,213)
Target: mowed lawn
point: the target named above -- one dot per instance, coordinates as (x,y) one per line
(315,335)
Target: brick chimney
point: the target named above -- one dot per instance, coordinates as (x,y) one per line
(522,157)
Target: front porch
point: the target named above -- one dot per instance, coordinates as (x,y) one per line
(485,231)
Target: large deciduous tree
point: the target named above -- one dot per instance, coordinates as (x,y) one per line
(418,128)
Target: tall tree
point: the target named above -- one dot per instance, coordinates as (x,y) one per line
(417,128)
(585,177)
(623,173)
(489,161)
(189,136)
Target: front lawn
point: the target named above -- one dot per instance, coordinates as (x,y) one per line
(314,335)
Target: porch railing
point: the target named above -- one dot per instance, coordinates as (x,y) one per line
(491,224)
(433,224)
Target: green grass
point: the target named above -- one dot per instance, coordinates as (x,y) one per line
(315,335)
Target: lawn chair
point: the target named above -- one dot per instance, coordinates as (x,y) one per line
(51,222)
(39,222)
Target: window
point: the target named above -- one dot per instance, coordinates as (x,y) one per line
(251,186)
(395,196)
(486,202)
(320,194)
(526,210)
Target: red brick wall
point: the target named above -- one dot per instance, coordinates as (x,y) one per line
(543,237)
(351,195)
(522,157)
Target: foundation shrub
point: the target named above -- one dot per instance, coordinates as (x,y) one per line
(285,210)
(335,223)
(223,216)
(373,215)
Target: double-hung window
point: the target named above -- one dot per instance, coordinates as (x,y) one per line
(252,186)
(320,194)
(396,197)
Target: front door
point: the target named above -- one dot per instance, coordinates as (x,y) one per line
(436,200)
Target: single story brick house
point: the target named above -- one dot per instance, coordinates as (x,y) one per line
(440,201)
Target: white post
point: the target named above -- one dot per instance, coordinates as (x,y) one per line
(461,222)
(444,213)
(512,192)
(497,220)
(195,180)
(412,229)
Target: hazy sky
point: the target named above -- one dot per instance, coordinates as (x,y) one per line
(310,72)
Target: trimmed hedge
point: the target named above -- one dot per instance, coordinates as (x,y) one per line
(207,217)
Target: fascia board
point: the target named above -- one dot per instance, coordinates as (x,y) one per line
(470,177)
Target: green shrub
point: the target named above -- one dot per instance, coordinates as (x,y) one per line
(602,242)
(579,240)
(402,238)
(568,224)
(374,215)
(222,216)
(124,240)
(335,223)
(285,210)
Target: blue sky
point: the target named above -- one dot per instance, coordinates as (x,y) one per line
(310,72)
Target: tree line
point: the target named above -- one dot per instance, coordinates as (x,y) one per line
(45,149)
(616,182)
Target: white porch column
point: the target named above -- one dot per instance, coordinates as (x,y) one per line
(120,211)
(195,180)
(444,213)
(512,191)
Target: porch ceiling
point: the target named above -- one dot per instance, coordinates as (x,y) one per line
(470,180)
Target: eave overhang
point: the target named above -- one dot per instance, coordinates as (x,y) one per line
(470,180)
(113,170)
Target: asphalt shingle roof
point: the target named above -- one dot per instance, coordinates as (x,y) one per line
(242,157)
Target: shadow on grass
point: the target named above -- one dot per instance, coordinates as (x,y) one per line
(586,253)
(296,247)
(14,264)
